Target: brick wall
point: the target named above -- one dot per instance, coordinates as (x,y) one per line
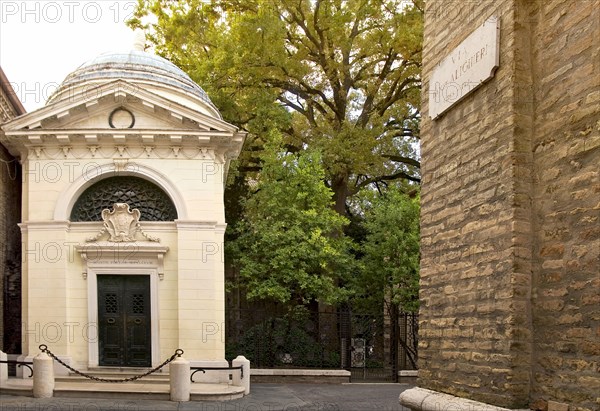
(10,235)
(566,153)
(510,205)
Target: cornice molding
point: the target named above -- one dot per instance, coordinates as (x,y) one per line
(47,225)
(92,226)
(197,225)
(103,152)
(136,254)
(78,144)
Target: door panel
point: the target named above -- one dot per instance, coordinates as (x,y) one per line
(137,299)
(124,320)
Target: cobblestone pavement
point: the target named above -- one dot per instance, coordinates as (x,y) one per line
(264,397)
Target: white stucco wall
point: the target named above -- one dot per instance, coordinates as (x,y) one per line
(59,164)
(191,295)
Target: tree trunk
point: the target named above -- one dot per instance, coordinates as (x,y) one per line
(339,186)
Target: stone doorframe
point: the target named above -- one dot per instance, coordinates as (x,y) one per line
(114,259)
(93,340)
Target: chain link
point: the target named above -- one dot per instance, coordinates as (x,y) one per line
(178,353)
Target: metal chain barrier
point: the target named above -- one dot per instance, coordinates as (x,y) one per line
(178,353)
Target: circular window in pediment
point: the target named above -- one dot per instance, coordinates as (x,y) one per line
(121,118)
(154,204)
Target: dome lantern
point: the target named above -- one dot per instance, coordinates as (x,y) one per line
(139,40)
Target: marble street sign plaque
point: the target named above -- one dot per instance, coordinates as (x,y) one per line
(466,67)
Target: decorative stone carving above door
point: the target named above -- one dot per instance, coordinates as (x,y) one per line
(121,224)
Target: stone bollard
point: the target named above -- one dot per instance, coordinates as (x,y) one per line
(237,377)
(43,376)
(179,370)
(3,370)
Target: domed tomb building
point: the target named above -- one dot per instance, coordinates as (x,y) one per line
(123,218)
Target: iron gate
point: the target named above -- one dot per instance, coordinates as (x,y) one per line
(373,348)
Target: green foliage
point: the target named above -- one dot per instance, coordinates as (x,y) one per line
(288,250)
(339,77)
(329,92)
(390,263)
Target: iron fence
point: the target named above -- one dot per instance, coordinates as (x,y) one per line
(372,347)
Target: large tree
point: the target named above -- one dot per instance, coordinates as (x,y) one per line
(285,249)
(340,77)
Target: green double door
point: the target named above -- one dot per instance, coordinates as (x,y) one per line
(124,335)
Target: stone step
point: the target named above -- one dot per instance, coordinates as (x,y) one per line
(129,391)
(125,391)
(117,374)
(133,370)
(149,379)
(123,371)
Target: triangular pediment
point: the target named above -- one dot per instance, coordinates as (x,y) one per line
(90,110)
(125,114)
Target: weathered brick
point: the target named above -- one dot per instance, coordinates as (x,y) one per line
(517,161)
(557,406)
(552,250)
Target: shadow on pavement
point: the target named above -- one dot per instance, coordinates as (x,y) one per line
(264,397)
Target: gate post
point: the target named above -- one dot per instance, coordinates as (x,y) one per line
(180,384)
(43,376)
(238,380)
(3,369)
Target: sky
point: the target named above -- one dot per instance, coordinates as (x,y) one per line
(42,41)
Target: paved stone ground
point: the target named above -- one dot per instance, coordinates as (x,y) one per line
(264,397)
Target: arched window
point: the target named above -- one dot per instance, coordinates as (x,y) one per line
(154,204)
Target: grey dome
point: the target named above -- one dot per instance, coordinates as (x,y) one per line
(132,65)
